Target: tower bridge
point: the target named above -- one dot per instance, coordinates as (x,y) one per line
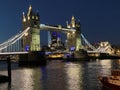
(29,38)
(32,38)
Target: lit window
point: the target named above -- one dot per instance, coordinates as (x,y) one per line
(26,34)
(28,17)
(73,32)
(32,17)
(24,20)
(37,17)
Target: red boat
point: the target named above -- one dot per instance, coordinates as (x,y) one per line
(111,82)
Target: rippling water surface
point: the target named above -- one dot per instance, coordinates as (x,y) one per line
(58,75)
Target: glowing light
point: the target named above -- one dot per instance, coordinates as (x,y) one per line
(57,55)
(32,17)
(27,80)
(73,18)
(68,26)
(26,34)
(28,17)
(72,48)
(74,76)
(24,19)
(106,65)
(73,25)
(68,33)
(73,32)
(73,21)
(27,48)
(59,26)
(37,17)
(42,25)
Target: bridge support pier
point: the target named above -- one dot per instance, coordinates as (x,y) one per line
(33,58)
(81,54)
(35,42)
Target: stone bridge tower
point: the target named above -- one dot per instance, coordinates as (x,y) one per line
(31,40)
(74,38)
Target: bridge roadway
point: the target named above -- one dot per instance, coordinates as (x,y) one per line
(13,53)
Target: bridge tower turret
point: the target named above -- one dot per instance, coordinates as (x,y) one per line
(74,38)
(78,36)
(31,40)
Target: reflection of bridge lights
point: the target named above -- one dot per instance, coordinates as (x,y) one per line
(106,63)
(74,76)
(27,80)
(105,66)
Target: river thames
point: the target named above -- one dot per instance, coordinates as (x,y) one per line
(59,75)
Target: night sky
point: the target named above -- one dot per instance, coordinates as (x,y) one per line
(100,19)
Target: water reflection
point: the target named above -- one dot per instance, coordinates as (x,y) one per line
(53,76)
(22,79)
(36,79)
(58,75)
(106,66)
(74,76)
(116,64)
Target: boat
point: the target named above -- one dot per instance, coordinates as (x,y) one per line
(111,82)
(55,56)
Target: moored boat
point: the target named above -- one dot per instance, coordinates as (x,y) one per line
(112,81)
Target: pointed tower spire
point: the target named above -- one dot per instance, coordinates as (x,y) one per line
(67,23)
(73,18)
(73,21)
(30,9)
(68,26)
(24,18)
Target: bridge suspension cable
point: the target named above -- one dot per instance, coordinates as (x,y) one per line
(86,42)
(13,39)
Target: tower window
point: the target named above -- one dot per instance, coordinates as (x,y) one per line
(35,22)
(32,17)
(36,17)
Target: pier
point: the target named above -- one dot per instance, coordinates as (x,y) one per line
(6,78)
